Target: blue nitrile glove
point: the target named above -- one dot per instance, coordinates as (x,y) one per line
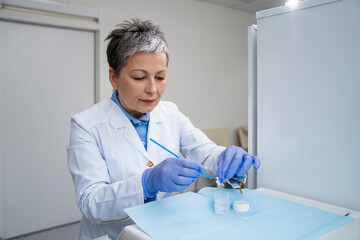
(235,161)
(171,175)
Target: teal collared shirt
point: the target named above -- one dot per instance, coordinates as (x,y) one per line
(141,125)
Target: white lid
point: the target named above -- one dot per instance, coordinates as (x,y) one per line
(241,206)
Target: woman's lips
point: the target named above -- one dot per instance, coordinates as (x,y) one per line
(148,101)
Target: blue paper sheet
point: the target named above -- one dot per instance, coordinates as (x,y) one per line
(191,216)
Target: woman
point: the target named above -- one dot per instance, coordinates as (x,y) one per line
(113,164)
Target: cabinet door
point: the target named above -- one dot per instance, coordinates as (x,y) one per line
(309,112)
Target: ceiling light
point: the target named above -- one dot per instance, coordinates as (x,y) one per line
(292,2)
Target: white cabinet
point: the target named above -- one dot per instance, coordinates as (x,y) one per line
(308,101)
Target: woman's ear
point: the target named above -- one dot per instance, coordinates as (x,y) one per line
(113,78)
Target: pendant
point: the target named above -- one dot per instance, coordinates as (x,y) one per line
(150,164)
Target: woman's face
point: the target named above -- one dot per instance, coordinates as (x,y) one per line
(141,82)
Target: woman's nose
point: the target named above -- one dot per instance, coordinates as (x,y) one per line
(150,85)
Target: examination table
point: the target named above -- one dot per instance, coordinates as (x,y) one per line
(343,223)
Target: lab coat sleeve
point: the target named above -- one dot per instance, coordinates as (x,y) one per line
(194,144)
(98,199)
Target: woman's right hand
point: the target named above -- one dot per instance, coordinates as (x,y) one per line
(171,175)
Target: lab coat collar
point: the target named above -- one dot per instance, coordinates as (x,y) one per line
(117,117)
(119,120)
(155,116)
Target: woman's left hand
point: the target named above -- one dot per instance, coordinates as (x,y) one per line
(235,161)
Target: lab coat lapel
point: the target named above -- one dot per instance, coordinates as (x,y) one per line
(133,138)
(154,132)
(119,120)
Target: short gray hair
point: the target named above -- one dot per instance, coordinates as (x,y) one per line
(131,37)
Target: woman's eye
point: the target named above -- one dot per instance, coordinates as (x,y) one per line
(138,78)
(160,78)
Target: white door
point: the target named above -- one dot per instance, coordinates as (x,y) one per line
(46,76)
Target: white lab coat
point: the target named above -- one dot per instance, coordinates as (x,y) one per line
(106,160)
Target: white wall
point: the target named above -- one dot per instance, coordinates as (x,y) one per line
(207,75)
